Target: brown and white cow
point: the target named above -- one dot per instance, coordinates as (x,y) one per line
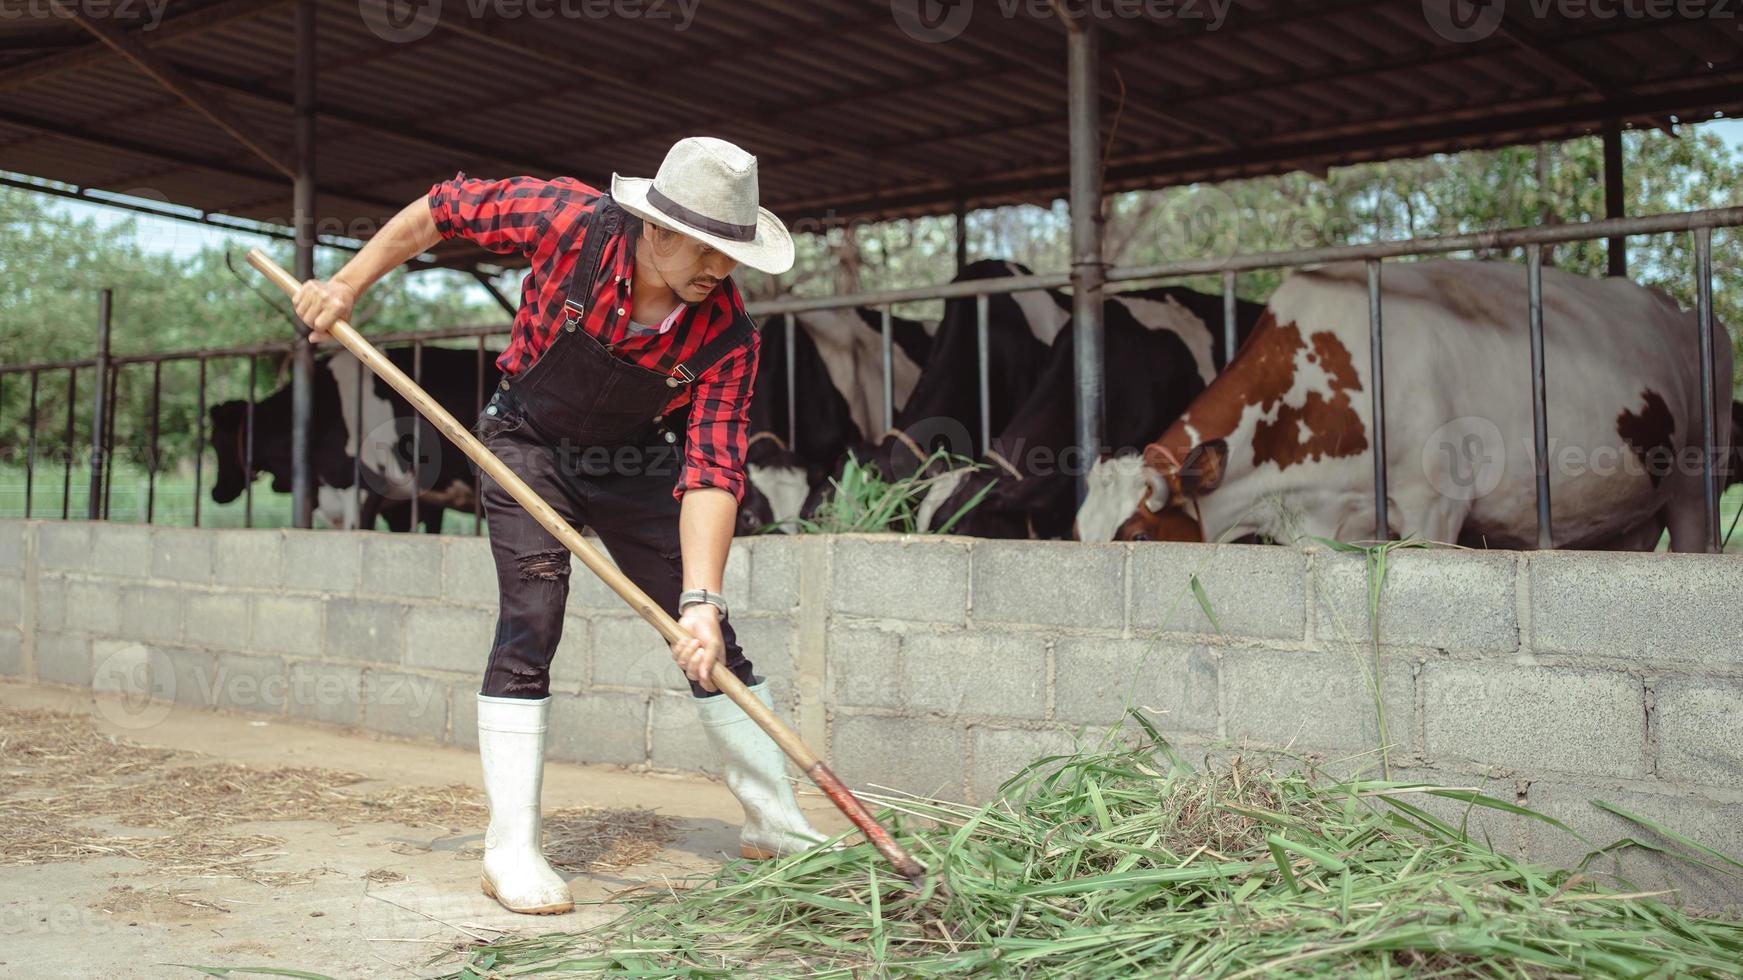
(1280,444)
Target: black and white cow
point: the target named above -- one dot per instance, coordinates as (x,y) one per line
(1279,445)
(944,409)
(384,419)
(1161,348)
(838,387)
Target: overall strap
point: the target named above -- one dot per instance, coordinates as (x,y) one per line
(738,333)
(605,221)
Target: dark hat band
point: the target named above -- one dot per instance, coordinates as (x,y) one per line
(701,222)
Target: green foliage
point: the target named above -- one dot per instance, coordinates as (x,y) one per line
(861,500)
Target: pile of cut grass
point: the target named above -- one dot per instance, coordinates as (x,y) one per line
(1124,861)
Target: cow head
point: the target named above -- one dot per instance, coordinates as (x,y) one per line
(1151,497)
(230,447)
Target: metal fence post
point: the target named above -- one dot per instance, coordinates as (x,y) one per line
(1231,305)
(1539,393)
(1704,304)
(1377,370)
(889,374)
(792,328)
(983,348)
(99,405)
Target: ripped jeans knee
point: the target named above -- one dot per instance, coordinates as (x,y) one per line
(545,566)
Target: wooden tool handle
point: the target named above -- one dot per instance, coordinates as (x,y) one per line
(724,680)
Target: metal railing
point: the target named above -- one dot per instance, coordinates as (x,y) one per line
(1699,224)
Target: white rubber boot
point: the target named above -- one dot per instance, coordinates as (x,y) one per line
(511,744)
(755,769)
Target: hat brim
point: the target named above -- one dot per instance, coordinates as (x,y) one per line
(771,251)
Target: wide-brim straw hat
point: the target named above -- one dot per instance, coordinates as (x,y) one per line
(707,188)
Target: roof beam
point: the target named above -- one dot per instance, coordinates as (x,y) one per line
(95,52)
(1566,65)
(207,104)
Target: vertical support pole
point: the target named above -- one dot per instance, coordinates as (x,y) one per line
(478,409)
(109,440)
(199,439)
(303,211)
(67,443)
(792,338)
(889,374)
(1377,374)
(1615,195)
(983,369)
(1704,315)
(99,405)
(417,421)
(1539,394)
(961,237)
(357,490)
(1231,339)
(151,459)
(30,446)
(253,363)
(1083,72)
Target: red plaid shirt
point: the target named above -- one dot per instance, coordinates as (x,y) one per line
(544,221)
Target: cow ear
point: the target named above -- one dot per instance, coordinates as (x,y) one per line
(1203,469)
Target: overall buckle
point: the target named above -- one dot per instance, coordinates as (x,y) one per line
(681,375)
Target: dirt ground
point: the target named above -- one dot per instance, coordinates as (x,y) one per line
(119,890)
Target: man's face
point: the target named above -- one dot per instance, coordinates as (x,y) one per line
(690,268)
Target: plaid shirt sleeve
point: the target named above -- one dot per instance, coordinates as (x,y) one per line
(720,424)
(501,216)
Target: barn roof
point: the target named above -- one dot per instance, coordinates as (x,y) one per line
(852,116)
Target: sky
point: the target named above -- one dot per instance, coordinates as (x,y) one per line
(185,238)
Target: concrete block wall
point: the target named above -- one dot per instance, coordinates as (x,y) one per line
(942,665)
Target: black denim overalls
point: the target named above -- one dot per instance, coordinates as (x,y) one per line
(586,430)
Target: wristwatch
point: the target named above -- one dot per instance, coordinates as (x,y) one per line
(689,597)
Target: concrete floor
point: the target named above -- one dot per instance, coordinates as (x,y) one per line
(105,918)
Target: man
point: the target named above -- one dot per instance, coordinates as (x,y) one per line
(623,402)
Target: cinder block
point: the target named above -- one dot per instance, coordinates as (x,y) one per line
(118,551)
(678,738)
(1454,600)
(767,641)
(247,559)
(193,677)
(326,692)
(51,602)
(11,652)
(402,565)
(11,603)
(1534,719)
(63,658)
(1698,721)
(463,716)
(65,546)
(1716,824)
(287,624)
(915,755)
(1095,681)
(587,593)
(469,572)
(774,573)
(361,629)
(1502,832)
(12,535)
(906,578)
(1000,753)
(1253,590)
(405,705)
(1317,701)
(182,554)
(322,561)
(626,652)
(865,667)
(447,638)
(217,619)
(1053,583)
(93,605)
(984,674)
(1619,605)
(599,727)
(150,612)
(247,683)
